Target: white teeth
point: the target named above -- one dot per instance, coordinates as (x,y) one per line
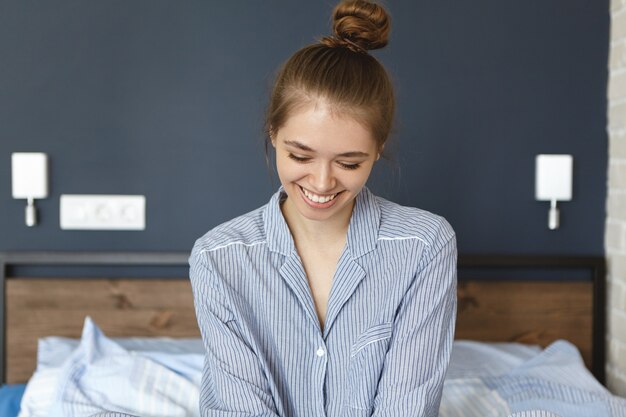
(318,198)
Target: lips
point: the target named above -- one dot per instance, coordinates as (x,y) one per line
(318,200)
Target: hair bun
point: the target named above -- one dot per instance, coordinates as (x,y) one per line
(361,23)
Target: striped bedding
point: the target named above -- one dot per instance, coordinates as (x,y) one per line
(552,382)
(106,378)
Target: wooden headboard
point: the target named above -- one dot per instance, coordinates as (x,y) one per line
(535,300)
(500,299)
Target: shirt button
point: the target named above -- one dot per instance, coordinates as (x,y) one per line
(320,352)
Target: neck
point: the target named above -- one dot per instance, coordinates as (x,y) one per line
(316,232)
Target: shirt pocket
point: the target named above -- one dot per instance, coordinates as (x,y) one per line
(367,357)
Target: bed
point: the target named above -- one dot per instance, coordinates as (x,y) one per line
(527,327)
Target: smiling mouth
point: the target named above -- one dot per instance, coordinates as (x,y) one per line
(316,198)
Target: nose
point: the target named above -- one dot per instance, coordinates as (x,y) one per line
(322,178)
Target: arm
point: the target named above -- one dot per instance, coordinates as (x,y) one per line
(419,352)
(233,381)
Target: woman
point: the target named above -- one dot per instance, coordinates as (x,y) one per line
(328,300)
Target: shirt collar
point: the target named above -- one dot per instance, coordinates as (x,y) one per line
(364,224)
(362,231)
(277,232)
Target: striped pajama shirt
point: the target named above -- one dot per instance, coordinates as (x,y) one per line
(388,332)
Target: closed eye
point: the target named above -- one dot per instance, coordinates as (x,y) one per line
(299,158)
(305,159)
(348,166)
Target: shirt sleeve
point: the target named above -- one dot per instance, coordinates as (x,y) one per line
(415,365)
(233,381)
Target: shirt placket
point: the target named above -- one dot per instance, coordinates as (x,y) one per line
(321,367)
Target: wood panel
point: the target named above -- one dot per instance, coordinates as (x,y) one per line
(507,311)
(528,312)
(57,307)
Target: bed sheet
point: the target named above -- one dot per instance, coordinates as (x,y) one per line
(484,379)
(100,374)
(10,398)
(554,381)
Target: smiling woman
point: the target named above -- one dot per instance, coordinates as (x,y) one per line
(325,166)
(328,300)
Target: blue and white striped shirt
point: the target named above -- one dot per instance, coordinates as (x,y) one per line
(388,333)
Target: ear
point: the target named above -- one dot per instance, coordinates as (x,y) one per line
(272,136)
(380,151)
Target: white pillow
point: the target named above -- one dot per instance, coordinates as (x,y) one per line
(179,360)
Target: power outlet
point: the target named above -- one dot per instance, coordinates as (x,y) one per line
(103,212)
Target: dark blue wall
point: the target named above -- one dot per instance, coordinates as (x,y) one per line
(166,99)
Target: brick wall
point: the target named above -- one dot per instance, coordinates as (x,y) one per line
(615,235)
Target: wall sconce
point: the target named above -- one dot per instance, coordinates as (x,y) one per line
(29,171)
(553,182)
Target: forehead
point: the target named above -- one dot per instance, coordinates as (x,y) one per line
(322,129)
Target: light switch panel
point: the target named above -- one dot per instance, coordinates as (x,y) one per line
(103,212)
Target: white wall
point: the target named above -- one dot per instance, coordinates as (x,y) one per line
(615,236)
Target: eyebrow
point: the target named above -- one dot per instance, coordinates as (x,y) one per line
(303,147)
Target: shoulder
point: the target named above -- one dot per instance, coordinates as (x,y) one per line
(245,230)
(399,222)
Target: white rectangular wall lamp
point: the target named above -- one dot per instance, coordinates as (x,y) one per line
(553,183)
(29,174)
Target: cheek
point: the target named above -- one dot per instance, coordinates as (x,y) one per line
(356,179)
(287,169)
(281,164)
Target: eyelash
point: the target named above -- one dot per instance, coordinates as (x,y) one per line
(297,158)
(342,165)
(349,166)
